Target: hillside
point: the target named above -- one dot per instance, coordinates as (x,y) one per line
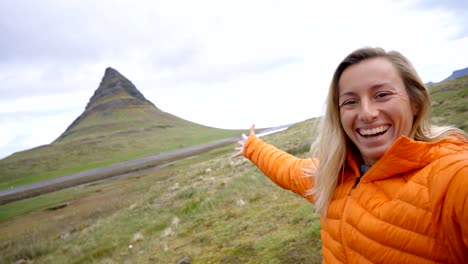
(209,209)
(118,124)
(450,102)
(457,74)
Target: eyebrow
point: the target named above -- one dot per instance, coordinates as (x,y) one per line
(373,87)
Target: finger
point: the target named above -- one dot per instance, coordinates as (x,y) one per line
(236,154)
(244,136)
(252,130)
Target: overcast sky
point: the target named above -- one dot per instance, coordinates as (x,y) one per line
(225,64)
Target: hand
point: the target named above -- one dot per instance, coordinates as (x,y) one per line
(240,149)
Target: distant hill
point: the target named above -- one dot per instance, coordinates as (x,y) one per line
(457,74)
(118,124)
(454,75)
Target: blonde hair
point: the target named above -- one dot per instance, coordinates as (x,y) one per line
(331,146)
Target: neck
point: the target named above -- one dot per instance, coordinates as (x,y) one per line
(364,168)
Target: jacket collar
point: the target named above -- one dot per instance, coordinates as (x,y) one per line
(403,156)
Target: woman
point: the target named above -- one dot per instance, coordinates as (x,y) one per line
(390,186)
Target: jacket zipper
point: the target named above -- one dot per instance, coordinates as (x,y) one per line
(364,168)
(358,179)
(356,182)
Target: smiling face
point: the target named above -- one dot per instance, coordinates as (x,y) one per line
(375,109)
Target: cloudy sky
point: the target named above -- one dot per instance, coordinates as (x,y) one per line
(225,64)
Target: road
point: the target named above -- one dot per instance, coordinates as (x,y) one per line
(122,169)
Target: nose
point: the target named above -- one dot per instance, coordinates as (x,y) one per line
(368,111)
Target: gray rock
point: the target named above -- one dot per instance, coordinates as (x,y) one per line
(185,260)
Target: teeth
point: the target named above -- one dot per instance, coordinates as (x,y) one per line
(373,131)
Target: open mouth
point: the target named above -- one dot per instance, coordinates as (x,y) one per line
(373,132)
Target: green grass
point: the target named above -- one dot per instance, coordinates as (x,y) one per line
(54,174)
(11,210)
(60,159)
(209,208)
(450,103)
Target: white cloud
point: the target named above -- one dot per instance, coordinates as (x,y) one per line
(25,131)
(218,63)
(48,104)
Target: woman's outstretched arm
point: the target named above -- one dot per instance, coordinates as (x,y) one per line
(281,167)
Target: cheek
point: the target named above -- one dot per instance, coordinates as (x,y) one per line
(404,115)
(409,123)
(346,122)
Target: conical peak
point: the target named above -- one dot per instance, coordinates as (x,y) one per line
(111,73)
(110,70)
(113,80)
(114,91)
(112,86)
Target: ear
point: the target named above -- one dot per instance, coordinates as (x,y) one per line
(415,109)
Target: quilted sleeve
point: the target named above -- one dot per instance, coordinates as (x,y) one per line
(456,215)
(281,167)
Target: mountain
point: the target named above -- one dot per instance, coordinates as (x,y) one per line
(457,74)
(118,109)
(454,75)
(114,92)
(118,124)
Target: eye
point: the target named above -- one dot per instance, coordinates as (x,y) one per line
(382,95)
(348,102)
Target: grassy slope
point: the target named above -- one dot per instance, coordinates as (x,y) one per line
(450,102)
(211,208)
(129,134)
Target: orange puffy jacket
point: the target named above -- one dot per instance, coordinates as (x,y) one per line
(411,206)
